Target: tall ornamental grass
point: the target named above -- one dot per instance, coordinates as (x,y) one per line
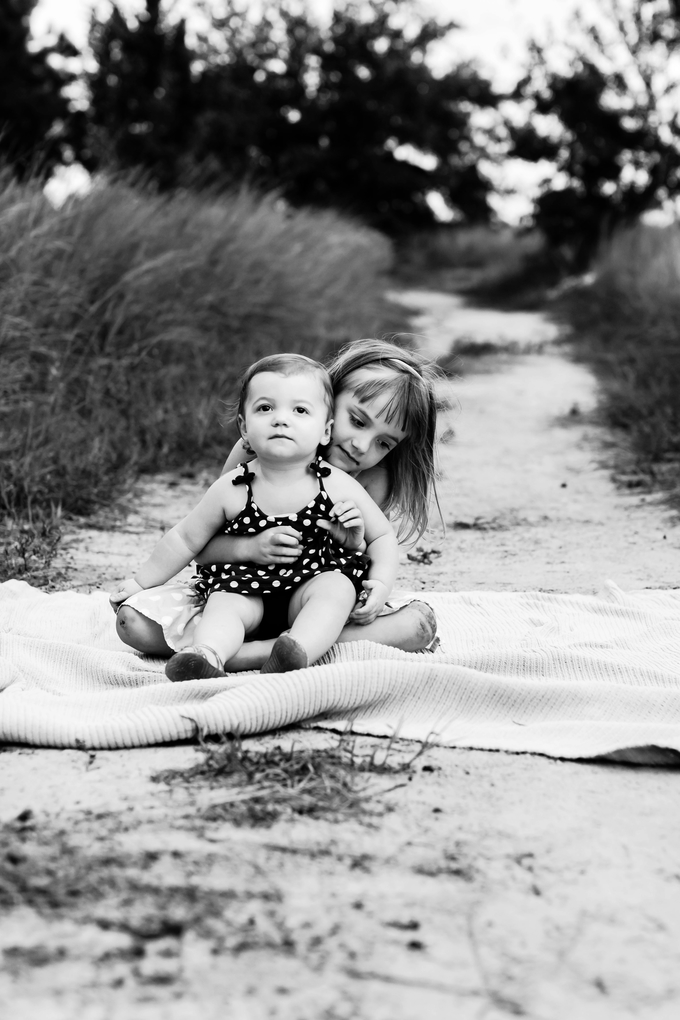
(627,325)
(126,319)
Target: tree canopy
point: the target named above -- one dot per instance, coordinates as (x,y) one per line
(604,112)
(142,94)
(38,127)
(325,116)
(351,114)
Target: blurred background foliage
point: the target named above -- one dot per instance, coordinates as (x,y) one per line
(351,115)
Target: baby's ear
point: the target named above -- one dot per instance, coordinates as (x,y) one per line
(328,432)
(240,421)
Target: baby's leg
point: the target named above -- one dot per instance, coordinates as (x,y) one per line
(411,628)
(141,633)
(225,621)
(319,609)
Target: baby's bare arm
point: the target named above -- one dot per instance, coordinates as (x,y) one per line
(275,545)
(179,545)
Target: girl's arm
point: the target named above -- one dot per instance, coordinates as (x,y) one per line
(347,524)
(179,545)
(382,546)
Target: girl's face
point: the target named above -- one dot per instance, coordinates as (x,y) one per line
(362,436)
(286,416)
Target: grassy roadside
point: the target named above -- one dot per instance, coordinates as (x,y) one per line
(126,319)
(625,322)
(624,319)
(501,267)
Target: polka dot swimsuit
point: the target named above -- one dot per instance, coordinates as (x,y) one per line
(320,553)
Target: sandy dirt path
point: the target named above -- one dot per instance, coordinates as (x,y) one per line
(494,885)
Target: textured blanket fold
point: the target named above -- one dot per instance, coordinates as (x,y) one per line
(571,676)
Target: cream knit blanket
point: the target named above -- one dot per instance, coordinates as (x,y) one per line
(571,676)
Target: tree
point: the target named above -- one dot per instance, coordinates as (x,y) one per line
(604,111)
(142,95)
(333,117)
(38,128)
(327,117)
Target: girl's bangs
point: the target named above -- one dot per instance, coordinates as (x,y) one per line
(399,392)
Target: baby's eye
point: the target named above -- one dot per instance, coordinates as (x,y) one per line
(302,410)
(263,407)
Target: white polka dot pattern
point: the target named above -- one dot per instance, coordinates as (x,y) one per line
(321,553)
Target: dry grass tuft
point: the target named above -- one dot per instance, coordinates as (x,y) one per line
(263,785)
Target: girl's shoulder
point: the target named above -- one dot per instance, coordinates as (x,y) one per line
(376,482)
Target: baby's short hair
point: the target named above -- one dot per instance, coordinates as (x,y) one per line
(286,364)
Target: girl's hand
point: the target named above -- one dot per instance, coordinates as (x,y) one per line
(347,525)
(277,545)
(127,588)
(377,596)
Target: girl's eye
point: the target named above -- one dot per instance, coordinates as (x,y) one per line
(357,422)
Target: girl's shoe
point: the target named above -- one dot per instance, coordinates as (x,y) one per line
(194,663)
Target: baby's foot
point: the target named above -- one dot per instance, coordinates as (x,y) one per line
(193,663)
(287,654)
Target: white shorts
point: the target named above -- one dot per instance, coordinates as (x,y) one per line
(177,610)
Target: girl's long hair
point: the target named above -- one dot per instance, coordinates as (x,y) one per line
(410,402)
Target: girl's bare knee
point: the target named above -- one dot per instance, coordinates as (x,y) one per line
(141,633)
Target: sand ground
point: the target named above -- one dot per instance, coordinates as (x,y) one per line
(486,885)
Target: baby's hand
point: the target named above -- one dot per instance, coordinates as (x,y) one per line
(372,607)
(277,545)
(127,588)
(347,525)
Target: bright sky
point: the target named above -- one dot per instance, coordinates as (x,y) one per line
(493,33)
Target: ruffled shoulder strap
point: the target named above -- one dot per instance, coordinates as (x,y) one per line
(245,478)
(319,469)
